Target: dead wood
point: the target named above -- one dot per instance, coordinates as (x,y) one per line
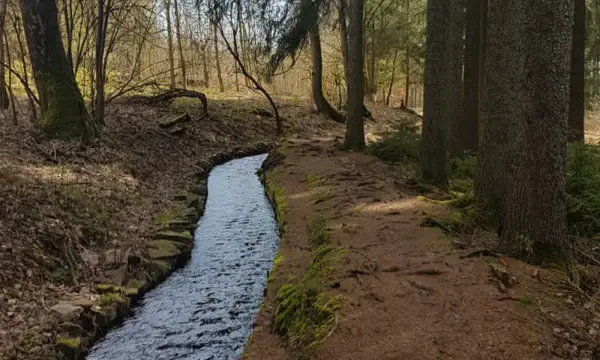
(168,96)
(183,118)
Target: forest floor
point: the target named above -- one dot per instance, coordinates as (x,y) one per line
(404,290)
(392,288)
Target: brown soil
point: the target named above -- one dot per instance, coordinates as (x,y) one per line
(407,292)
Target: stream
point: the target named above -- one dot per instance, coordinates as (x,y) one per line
(206,309)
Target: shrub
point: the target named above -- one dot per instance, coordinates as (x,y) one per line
(583,187)
(402,144)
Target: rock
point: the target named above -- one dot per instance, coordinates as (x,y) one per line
(197,202)
(502,274)
(70,347)
(72,329)
(180,197)
(200,189)
(192,214)
(136,284)
(179,225)
(134,260)
(166,249)
(183,237)
(158,268)
(107,288)
(86,304)
(66,310)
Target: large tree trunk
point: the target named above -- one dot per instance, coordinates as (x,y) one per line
(180,45)
(63,112)
(577,104)
(524,119)
(466,129)
(501,104)
(321,102)
(442,85)
(4,102)
(355,131)
(217,60)
(170,44)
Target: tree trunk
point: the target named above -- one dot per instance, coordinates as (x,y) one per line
(355,132)
(180,45)
(344,36)
(407,58)
(442,85)
(98,101)
(321,102)
(4,102)
(217,60)
(387,100)
(170,44)
(372,84)
(63,112)
(467,126)
(577,104)
(524,119)
(205,66)
(501,104)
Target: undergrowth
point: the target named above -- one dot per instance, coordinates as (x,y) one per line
(402,144)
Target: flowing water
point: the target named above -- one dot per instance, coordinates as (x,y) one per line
(206,309)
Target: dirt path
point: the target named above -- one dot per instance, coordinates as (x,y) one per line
(405,292)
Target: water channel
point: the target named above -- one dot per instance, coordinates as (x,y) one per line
(206,309)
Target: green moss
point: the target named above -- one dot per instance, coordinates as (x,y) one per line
(526,301)
(305,313)
(73,343)
(168,214)
(319,234)
(313,181)
(107,288)
(277,198)
(111,298)
(135,284)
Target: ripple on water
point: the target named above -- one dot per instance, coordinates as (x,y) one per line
(206,310)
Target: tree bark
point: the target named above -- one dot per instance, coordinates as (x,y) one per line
(466,129)
(442,85)
(98,101)
(63,112)
(355,132)
(172,80)
(217,60)
(321,102)
(4,101)
(392,80)
(180,44)
(577,85)
(205,66)
(344,36)
(407,58)
(521,167)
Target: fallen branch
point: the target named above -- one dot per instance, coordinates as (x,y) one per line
(169,96)
(479,253)
(174,121)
